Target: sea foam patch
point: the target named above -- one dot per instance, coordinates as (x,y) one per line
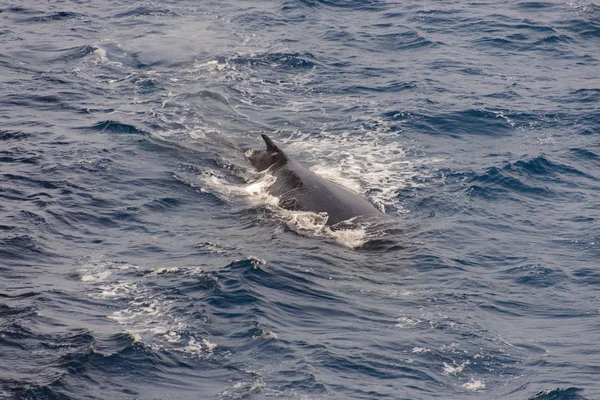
(148,315)
(455,368)
(474,385)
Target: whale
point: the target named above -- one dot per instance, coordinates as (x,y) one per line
(300,189)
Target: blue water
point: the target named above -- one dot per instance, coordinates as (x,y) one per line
(139,259)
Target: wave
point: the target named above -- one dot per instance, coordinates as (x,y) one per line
(537,176)
(144,10)
(571,393)
(111,126)
(541,165)
(405,40)
(66,362)
(365,5)
(57,16)
(76,53)
(536,276)
(274,60)
(588,95)
(523,43)
(536,5)
(466,122)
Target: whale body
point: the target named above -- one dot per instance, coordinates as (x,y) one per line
(300,189)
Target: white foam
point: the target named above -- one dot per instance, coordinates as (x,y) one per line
(244,388)
(305,221)
(212,66)
(116,290)
(193,347)
(101,56)
(336,174)
(255,193)
(265,335)
(164,271)
(583,7)
(352,238)
(314,225)
(101,53)
(122,316)
(95,277)
(419,350)
(258,191)
(158,330)
(173,337)
(209,346)
(135,336)
(474,385)
(455,369)
(146,315)
(405,322)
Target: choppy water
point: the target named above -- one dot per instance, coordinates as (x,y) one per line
(138,259)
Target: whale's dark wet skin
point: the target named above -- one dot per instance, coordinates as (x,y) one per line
(300,189)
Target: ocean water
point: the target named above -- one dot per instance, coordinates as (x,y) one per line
(142,258)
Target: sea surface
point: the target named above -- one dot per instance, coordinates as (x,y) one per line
(141,256)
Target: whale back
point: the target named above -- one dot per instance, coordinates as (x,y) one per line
(300,189)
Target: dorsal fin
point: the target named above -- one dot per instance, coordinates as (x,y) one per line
(274,150)
(270,145)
